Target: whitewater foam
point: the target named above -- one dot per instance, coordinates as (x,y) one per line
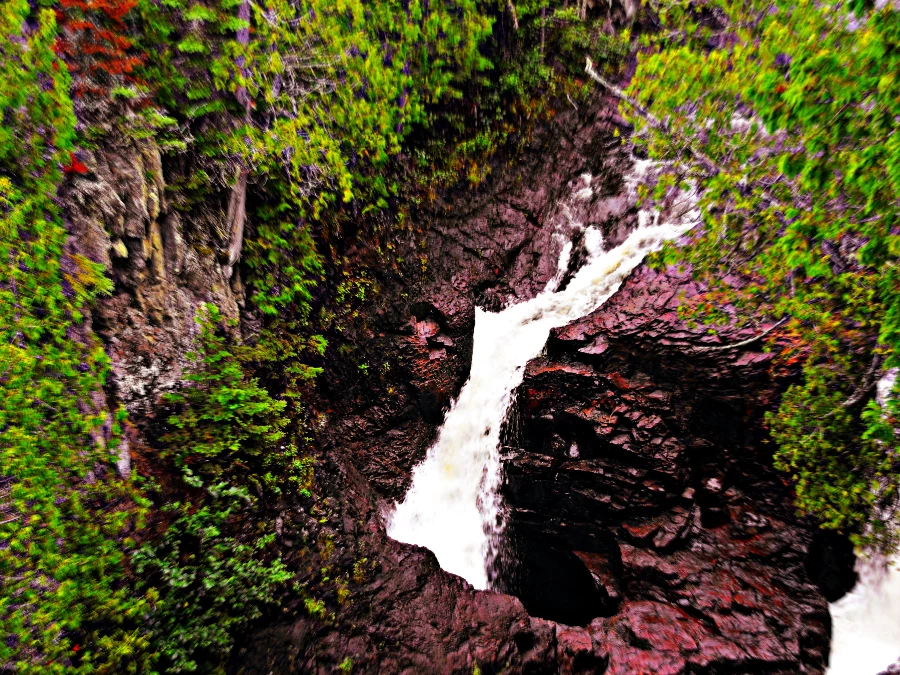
(453,506)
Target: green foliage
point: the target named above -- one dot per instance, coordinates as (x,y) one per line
(207,578)
(564,33)
(63,607)
(225,422)
(375,70)
(535,66)
(282,257)
(789,128)
(312,98)
(315,608)
(209,584)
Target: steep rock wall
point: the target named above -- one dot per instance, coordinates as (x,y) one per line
(164,263)
(638,459)
(668,518)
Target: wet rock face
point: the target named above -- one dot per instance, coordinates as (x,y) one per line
(163,267)
(482,247)
(636,454)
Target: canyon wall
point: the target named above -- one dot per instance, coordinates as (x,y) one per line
(647,530)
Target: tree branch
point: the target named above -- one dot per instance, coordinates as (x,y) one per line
(742,343)
(651,119)
(515,17)
(237,215)
(866,385)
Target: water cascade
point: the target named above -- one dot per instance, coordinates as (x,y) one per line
(866,621)
(453,505)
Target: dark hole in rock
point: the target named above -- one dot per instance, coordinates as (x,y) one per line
(425,310)
(524,640)
(713,516)
(553,582)
(432,405)
(721,421)
(564,435)
(830,564)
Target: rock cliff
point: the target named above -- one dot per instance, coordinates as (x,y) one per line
(647,531)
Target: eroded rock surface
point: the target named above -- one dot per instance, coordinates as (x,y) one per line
(638,455)
(163,266)
(486,247)
(648,533)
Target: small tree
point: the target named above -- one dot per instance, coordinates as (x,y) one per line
(785,115)
(225,422)
(208,576)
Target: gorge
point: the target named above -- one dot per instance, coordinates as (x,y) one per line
(453,504)
(381,337)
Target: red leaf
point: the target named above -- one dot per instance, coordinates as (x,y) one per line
(75,166)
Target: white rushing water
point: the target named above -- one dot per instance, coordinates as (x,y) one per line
(866,621)
(453,506)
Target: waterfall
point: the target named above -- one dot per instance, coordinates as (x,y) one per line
(453,505)
(866,621)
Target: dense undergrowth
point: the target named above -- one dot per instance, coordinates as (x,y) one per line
(64,526)
(316,121)
(785,115)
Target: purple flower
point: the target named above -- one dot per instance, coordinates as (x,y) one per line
(782,60)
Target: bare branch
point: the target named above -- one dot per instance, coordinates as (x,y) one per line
(515,17)
(651,119)
(742,343)
(868,382)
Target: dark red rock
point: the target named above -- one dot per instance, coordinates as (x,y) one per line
(712,562)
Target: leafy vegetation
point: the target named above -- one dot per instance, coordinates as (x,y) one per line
(226,422)
(208,576)
(308,118)
(785,114)
(204,584)
(64,524)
